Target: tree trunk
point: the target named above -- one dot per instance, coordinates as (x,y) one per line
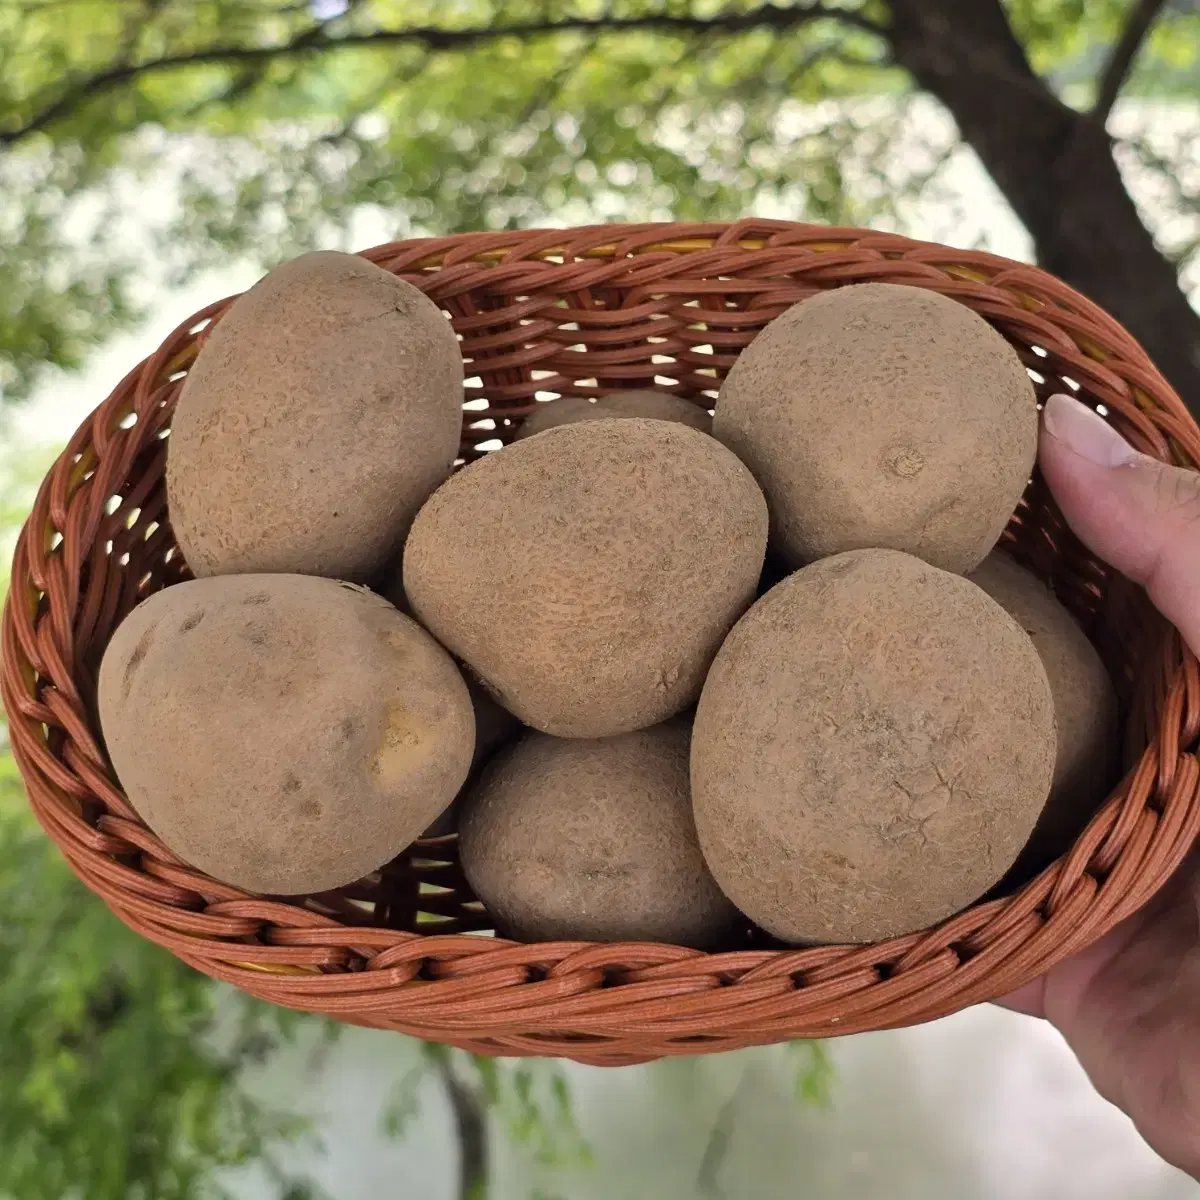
(1055,165)
(470,1124)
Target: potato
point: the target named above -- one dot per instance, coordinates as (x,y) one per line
(872,748)
(324,409)
(884,416)
(1085,706)
(588,574)
(593,840)
(283,733)
(642,402)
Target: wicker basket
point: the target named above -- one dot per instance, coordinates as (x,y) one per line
(589,311)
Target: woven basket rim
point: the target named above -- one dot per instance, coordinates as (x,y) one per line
(510,294)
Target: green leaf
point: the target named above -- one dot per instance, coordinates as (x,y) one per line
(814,1072)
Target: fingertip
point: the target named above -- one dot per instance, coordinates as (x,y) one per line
(1085,493)
(1050,450)
(1072,426)
(1137,514)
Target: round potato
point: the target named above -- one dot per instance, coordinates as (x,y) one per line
(323,410)
(588,574)
(642,402)
(283,733)
(1085,706)
(883,416)
(593,840)
(872,748)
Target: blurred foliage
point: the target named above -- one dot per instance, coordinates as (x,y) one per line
(142,140)
(111,1086)
(1068,39)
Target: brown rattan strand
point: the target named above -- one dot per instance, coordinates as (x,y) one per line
(589,311)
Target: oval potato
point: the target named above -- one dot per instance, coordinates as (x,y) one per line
(885,416)
(873,746)
(1085,706)
(588,574)
(593,839)
(283,733)
(324,408)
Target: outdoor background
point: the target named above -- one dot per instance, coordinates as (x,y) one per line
(159,154)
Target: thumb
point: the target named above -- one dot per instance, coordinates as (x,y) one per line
(1137,514)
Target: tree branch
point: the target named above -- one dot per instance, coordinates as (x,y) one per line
(716,1148)
(1124,51)
(435,39)
(1055,166)
(470,1123)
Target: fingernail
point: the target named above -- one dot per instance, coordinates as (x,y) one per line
(1085,432)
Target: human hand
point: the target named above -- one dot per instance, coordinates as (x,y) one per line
(1129,1006)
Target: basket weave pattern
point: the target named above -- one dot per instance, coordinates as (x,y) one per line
(589,311)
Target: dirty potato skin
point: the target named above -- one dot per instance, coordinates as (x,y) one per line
(881,415)
(1085,706)
(567,839)
(304,731)
(639,402)
(588,574)
(324,408)
(871,751)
